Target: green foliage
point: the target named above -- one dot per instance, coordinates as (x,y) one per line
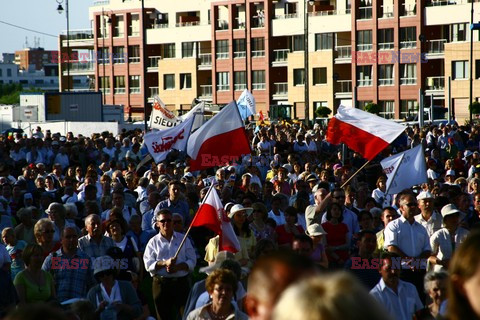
(372,108)
(475,107)
(10,92)
(322,112)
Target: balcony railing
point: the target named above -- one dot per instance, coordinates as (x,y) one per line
(286,16)
(105,90)
(365,13)
(385,82)
(81,66)
(258,53)
(240,86)
(364,47)
(329,13)
(258,86)
(239,54)
(364,82)
(258,22)
(387,11)
(134,59)
(101,2)
(280,55)
(280,88)
(222,25)
(344,52)
(434,3)
(205,59)
(205,91)
(222,55)
(437,46)
(187,24)
(408,81)
(408,10)
(153,61)
(410,44)
(153,91)
(385,46)
(80,34)
(134,90)
(118,58)
(162,25)
(223,87)
(239,23)
(119,90)
(435,83)
(344,86)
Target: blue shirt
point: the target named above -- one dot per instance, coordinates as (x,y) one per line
(181,207)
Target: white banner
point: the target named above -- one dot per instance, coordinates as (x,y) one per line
(246,104)
(159,143)
(405,169)
(161,118)
(196,111)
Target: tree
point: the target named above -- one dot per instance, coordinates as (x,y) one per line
(475,107)
(322,112)
(10,92)
(372,108)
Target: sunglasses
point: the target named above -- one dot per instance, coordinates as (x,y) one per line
(411,204)
(49,231)
(163,221)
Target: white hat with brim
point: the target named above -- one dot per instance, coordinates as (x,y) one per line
(315,229)
(450,209)
(425,195)
(238,208)
(219,259)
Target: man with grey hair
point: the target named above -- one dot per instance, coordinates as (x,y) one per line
(313,213)
(95,244)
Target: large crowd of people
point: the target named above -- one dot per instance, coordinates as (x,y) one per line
(90,231)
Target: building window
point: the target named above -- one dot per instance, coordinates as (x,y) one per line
(9,72)
(1,72)
(408,38)
(298,43)
(104,56)
(460,70)
(118,26)
(318,104)
(365,10)
(239,50)
(458,32)
(168,81)
(187,49)
(298,77)
(134,82)
(134,27)
(385,75)
(387,109)
(104,84)
(324,41)
(118,55)
(240,80)
(364,40)
(319,76)
(223,81)
(119,84)
(258,80)
(385,39)
(477,69)
(169,50)
(258,47)
(221,47)
(134,54)
(364,76)
(185,81)
(408,109)
(408,74)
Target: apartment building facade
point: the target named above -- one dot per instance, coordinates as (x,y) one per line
(387,52)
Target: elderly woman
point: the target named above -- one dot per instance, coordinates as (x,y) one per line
(56,213)
(446,239)
(221,285)
(44,230)
(112,299)
(33,284)
(436,287)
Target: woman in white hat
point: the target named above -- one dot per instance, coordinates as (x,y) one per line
(245,236)
(316,232)
(446,240)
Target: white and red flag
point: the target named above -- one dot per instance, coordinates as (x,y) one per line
(212,215)
(219,141)
(361,131)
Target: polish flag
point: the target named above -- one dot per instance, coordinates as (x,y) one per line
(211,215)
(219,141)
(362,131)
(261,117)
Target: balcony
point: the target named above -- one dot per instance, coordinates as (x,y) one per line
(385,82)
(364,82)
(78,38)
(239,54)
(80,68)
(286,16)
(343,89)
(239,23)
(222,55)
(205,91)
(435,83)
(436,48)
(408,10)
(258,53)
(280,57)
(385,46)
(119,90)
(364,47)
(387,12)
(365,13)
(280,91)
(134,90)
(344,54)
(258,86)
(162,25)
(153,63)
(239,86)
(133,59)
(408,81)
(101,3)
(223,87)
(435,3)
(205,61)
(409,44)
(187,24)
(222,25)
(153,93)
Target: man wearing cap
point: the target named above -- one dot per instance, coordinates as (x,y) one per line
(450,177)
(171,284)
(428,217)
(446,240)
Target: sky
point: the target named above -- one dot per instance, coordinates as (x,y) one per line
(40,16)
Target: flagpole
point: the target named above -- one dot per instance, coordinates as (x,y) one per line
(190,226)
(346,182)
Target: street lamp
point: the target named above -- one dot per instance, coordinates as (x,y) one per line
(104,31)
(60,11)
(305,57)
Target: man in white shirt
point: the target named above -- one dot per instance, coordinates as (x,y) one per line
(399,298)
(170,286)
(430,219)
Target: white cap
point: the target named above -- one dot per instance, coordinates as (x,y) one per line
(425,195)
